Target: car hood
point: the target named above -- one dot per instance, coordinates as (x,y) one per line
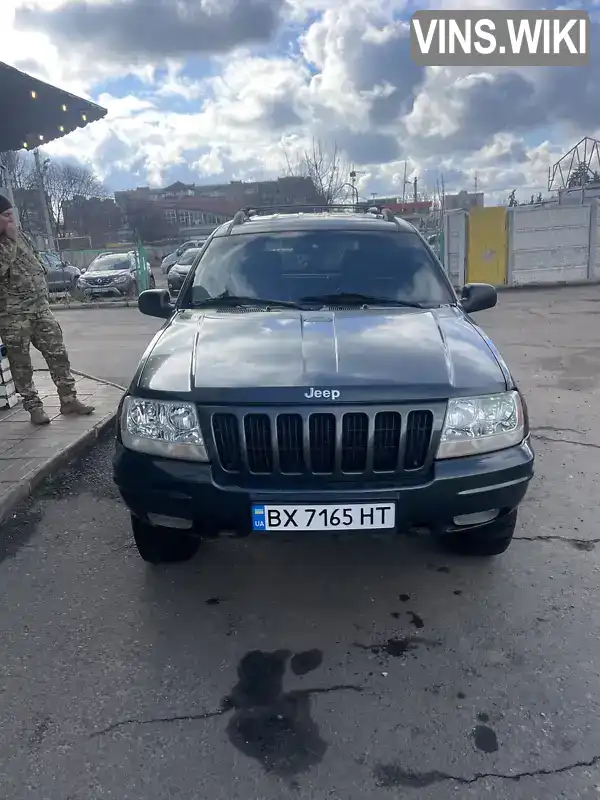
(112,273)
(181,268)
(376,355)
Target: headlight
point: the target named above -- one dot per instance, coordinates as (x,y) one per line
(121,278)
(482,424)
(162,428)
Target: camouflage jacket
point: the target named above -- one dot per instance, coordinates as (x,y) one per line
(23,286)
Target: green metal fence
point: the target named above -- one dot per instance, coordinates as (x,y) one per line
(142,267)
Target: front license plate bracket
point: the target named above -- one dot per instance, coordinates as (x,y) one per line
(323,517)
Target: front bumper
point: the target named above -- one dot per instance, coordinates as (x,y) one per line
(460,486)
(110,290)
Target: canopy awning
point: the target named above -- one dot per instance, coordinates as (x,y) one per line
(36,113)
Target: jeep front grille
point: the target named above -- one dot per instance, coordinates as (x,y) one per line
(323,443)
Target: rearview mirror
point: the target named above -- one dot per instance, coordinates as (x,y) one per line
(155,303)
(478,297)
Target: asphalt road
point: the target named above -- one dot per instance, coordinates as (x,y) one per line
(106,343)
(325,670)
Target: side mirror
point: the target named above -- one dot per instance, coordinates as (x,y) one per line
(155,303)
(83,269)
(478,297)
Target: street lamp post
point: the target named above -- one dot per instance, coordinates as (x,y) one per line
(43,199)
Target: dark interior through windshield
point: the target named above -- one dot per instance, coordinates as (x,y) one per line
(188,257)
(109,263)
(295,265)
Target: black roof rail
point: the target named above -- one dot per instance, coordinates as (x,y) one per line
(256,211)
(390,217)
(239,219)
(245,214)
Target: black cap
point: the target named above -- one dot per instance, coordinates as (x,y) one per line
(5,204)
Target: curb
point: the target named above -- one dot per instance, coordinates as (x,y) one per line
(92,378)
(25,487)
(78,306)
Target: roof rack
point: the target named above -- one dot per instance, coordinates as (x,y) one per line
(239,219)
(389,216)
(245,214)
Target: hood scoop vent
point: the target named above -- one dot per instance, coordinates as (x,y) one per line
(252,309)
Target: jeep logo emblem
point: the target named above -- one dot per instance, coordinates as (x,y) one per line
(326,394)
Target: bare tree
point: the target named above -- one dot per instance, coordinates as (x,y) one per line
(325,167)
(512,199)
(20,168)
(64,184)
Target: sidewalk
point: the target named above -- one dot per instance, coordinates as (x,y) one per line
(29,454)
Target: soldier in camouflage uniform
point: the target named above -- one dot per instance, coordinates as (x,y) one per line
(26,319)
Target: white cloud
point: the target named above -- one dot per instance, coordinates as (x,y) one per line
(349,77)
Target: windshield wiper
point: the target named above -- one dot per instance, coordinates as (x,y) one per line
(354,298)
(238,301)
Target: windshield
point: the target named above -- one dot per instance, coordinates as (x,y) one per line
(188,257)
(115,262)
(300,266)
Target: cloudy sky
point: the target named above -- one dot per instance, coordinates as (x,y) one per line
(211,90)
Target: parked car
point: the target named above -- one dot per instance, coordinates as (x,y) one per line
(172,258)
(114,274)
(105,253)
(61,276)
(318,372)
(179,270)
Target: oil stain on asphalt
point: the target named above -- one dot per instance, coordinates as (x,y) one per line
(396,647)
(484,737)
(416,620)
(272,726)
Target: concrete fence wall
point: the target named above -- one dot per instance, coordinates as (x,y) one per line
(455,246)
(524,245)
(83,258)
(548,244)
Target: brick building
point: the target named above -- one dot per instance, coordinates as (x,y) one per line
(182,211)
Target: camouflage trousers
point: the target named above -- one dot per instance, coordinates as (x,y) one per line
(45,334)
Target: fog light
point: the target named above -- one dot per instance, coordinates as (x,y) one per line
(170,522)
(476,519)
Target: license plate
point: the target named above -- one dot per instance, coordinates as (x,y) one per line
(351,517)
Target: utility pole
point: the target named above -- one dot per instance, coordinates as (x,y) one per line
(475,183)
(43,199)
(415,191)
(353,184)
(404,183)
(443,196)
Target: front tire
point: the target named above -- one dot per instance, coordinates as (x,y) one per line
(488,540)
(163,545)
